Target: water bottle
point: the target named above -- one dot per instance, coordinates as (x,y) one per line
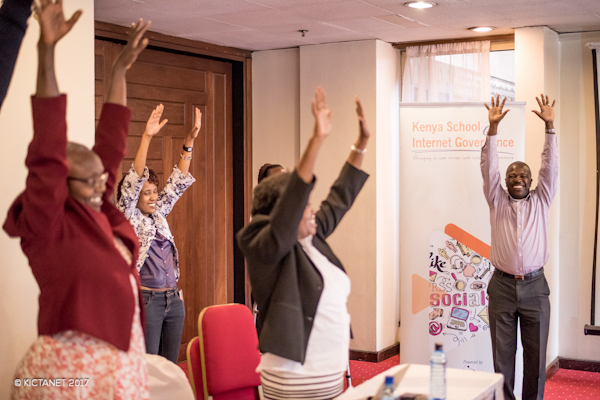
(437,378)
(387,392)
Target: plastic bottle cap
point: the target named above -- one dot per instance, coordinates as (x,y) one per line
(389,380)
(438,346)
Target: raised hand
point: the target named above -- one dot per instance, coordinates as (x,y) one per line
(53,25)
(546,112)
(358,149)
(321,113)
(117,91)
(364,132)
(135,45)
(153,126)
(495,114)
(197,125)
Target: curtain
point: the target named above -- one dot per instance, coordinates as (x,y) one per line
(447,72)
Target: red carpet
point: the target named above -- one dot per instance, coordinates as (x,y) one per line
(569,384)
(362,370)
(566,384)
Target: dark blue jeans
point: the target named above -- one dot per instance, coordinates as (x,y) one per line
(164,322)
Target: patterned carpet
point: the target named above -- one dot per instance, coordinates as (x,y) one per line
(569,384)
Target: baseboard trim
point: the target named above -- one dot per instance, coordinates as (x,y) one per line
(552,368)
(375,356)
(569,363)
(580,365)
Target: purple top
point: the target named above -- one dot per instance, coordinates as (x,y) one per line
(158,270)
(519,227)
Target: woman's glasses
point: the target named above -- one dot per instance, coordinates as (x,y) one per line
(91,181)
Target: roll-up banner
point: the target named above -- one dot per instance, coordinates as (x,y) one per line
(445,229)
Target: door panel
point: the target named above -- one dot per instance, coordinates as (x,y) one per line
(202,220)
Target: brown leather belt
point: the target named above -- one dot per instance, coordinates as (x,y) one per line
(525,277)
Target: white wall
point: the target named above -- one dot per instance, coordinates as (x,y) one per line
(354,242)
(388,193)
(367,239)
(537,59)
(75,71)
(275,108)
(578,196)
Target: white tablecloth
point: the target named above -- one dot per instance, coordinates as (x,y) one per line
(461,384)
(167,380)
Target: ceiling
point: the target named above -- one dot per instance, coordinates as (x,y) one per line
(274,24)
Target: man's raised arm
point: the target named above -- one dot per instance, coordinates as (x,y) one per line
(489,153)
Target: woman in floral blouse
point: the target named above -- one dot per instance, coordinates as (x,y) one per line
(158,263)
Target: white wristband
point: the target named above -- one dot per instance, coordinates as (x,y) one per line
(550,130)
(356,149)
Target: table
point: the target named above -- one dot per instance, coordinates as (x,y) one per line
(414,378)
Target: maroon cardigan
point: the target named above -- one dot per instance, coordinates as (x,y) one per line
(83,279)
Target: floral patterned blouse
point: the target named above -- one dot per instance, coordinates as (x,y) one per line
(76,366)
(147,226)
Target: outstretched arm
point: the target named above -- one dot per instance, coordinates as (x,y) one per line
(186,156)
(153,126)
(117,89)
(548,175)
(53,27)
(111,133)
(321,130)
(490,169)
(349,183)
(43,201)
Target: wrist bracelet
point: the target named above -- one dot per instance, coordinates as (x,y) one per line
(185,158)
(356,149)
(188,149)
(550,130)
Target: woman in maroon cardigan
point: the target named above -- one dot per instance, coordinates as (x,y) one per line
(81,249)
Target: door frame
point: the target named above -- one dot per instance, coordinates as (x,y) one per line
(241,61)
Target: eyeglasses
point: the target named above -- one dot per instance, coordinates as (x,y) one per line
(92,181)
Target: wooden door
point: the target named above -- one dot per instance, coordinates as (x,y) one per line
(202,220)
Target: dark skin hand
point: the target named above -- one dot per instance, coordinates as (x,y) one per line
(518,175)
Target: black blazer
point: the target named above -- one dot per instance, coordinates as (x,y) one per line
(286,285)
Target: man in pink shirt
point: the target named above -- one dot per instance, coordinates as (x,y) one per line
(518,290)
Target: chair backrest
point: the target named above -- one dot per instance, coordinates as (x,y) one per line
(229,352)
(195,368)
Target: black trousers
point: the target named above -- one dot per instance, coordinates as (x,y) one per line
(526,302)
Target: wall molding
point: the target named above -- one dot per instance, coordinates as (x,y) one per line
(497,42)
(569,363)
(375,356)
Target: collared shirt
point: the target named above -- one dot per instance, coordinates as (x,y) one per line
(519,227)
(329,342)
(158,272)
(146,227)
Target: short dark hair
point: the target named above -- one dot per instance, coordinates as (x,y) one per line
(518,163)
(263,172)
(268,192)
(152,178)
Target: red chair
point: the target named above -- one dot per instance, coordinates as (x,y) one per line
(195,368)
(228,352)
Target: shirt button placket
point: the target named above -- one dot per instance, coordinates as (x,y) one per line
(520,237)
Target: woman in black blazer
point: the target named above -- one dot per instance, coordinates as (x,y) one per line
(299,284)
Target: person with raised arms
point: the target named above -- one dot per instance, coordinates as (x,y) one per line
(518,289)
(81,249)
(300,286)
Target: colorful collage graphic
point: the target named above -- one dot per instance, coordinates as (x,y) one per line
(458,302)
